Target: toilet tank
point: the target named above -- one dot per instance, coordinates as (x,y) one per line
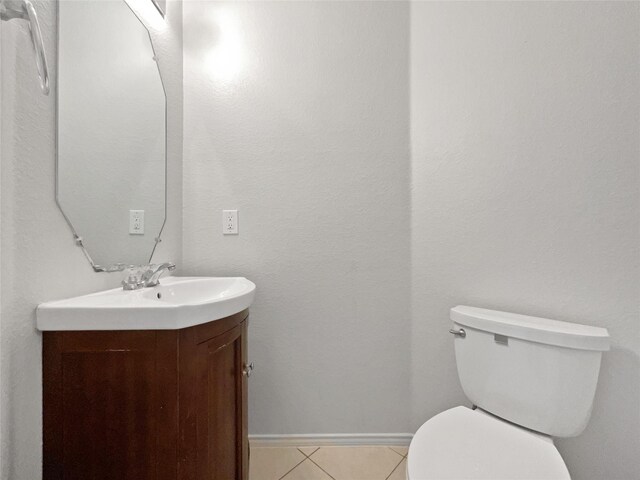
(535,372)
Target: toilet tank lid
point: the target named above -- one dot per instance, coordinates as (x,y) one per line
(534,329)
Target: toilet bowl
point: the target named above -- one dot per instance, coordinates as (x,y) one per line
(462,443)
(532,379)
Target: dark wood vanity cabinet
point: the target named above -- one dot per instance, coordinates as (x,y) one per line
(147,404)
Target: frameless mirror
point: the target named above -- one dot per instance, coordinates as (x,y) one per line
(111,139)
(161,5)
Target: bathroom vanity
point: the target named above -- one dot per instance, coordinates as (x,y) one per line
(147,404)
(138,386)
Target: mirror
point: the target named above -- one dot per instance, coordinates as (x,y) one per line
(161,5)
(111,133)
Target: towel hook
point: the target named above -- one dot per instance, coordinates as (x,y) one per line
(24,10)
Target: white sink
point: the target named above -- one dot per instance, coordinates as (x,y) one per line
(178,302)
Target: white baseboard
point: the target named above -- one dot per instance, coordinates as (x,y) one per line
(330,439)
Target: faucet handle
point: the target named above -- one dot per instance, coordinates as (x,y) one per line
(134,279)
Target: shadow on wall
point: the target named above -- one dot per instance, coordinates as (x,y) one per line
(614,425)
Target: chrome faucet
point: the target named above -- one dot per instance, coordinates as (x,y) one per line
(146,276)
(151,276)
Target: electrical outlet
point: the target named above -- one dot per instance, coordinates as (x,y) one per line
(136,222)
(230,222)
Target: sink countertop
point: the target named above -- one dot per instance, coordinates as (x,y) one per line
(178,302)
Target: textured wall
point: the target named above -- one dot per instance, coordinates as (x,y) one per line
(297,114)
(3,417)
(525,174)
(39,259)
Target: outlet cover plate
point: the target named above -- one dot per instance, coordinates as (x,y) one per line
(230,222)
(136,222)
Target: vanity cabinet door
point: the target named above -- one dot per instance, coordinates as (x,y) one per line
(110,403)
(225,388)
(214,431)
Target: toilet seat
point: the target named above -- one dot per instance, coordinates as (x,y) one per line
(465,444)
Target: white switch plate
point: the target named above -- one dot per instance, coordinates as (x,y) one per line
(136,222)
(230,222)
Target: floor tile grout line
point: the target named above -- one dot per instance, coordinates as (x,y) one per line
(395,451)
(389,476)
(311,459)
(295,466)
(308,456)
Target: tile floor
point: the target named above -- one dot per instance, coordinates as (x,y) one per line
(326,463)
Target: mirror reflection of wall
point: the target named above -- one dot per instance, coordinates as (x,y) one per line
(111,131)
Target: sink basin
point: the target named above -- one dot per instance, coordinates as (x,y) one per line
(178,302)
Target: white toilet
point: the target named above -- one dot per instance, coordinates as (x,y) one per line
(531,379)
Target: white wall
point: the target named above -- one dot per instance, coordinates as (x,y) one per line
(525,192)
(296,113)
(3,417)
(39,259)
(523,188)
